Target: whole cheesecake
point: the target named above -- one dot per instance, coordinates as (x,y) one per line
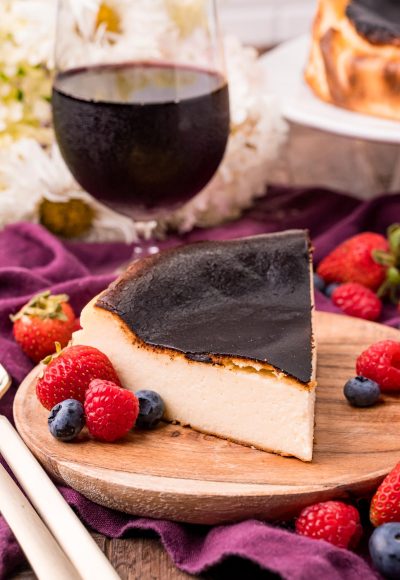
(355,55)
(223,332)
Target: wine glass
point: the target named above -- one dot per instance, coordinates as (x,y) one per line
(140,100)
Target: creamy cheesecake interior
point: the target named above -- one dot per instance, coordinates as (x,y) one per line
(223,332)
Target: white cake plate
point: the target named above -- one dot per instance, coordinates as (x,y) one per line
(284,67)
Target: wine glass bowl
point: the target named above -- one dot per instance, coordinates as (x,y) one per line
(143,133)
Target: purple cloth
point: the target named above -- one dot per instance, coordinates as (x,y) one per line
(32,260)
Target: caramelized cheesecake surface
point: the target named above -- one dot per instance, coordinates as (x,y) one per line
(223,332)
(247,299)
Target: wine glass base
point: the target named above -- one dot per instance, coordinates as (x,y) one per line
(144,251)
(139,252)
(143,214)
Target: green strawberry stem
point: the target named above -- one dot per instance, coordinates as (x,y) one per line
(391,261)
(44,305)
(383,258)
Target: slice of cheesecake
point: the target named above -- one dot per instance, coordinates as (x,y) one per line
(223,332)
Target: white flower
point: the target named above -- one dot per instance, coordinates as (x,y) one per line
(27,31)
(29,174)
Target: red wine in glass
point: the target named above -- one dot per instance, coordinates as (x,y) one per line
(141,137)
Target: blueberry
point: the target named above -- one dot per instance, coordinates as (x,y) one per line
(66,420)
(361,392)
(329,290)
(384,548)
(319,284)
(151,409)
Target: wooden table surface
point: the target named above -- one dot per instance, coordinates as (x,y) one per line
(310,157)
(143,558)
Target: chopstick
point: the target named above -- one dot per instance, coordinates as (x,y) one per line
(39,546)
(5,381)
(87,558)
(44,554)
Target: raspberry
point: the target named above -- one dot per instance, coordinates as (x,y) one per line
(111,411)
(356,300)
(381,363)
(332,521)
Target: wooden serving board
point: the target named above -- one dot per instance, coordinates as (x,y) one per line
(180,474)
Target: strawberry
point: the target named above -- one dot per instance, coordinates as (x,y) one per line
(44,320)
(110,411)
(353,261)
(333,521)
(67,375)
(357,300)
(385,505)
(381,363)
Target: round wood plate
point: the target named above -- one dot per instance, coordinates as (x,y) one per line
(180,474)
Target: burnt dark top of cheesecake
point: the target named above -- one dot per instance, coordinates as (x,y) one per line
(378,21)
(247,298)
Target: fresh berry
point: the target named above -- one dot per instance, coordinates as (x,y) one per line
(352,261)
(356,300)
(110,410)
(385,505)
(66,420)
(329,290)
(151,409)
(362,392)
(77,325)
(381,363)
(319,284)
(332,521)
(384,548)
(68,374)
(44,320)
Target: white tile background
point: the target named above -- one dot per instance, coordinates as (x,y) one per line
(266,22)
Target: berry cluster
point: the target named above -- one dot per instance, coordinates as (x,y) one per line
(378,369)
(360,272)
(356,276)
(81,387)
(338,523)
